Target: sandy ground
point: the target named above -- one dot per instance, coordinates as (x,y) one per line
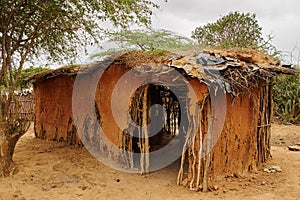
(50,170)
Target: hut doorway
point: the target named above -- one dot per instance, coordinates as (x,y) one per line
(157,112)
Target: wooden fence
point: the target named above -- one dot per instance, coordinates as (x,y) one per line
(22,107)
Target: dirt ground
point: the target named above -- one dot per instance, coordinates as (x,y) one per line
(50,170)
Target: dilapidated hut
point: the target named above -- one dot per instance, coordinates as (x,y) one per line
(212,109)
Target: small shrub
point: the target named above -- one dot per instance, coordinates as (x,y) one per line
(287,97)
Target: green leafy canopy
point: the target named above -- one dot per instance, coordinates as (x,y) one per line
(233,30)
(154,41)
(59,29)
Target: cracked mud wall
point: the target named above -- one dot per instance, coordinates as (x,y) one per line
(54,119)
(53,107)
(241,145)
(53,104)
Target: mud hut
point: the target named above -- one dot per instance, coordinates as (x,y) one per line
(212,109)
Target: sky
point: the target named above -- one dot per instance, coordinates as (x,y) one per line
(276,17)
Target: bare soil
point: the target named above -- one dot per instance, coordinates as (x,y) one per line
(51,170)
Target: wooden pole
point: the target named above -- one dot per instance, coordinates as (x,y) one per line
(145,130)
(192,121)
(208,147)
(200,119)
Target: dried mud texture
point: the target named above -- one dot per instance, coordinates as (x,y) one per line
(53,108)
(54,119)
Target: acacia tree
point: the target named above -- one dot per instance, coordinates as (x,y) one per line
(53,29)
(233,30)
(155,41)
(149,40)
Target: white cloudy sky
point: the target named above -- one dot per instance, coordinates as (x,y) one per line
(278,17)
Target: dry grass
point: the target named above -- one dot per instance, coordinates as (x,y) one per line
(248,55)
(136,58)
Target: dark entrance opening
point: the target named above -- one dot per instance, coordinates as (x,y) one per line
(164,117)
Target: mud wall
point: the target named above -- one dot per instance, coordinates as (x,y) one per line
(236,149)
(53,104)
(241,145)
(54,119)
(53,107)
(113,99)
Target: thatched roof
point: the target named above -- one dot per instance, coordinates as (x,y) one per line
(241,67)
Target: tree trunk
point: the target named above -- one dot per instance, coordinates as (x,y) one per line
(9,136)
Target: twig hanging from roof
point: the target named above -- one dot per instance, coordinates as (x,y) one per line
(201,139)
